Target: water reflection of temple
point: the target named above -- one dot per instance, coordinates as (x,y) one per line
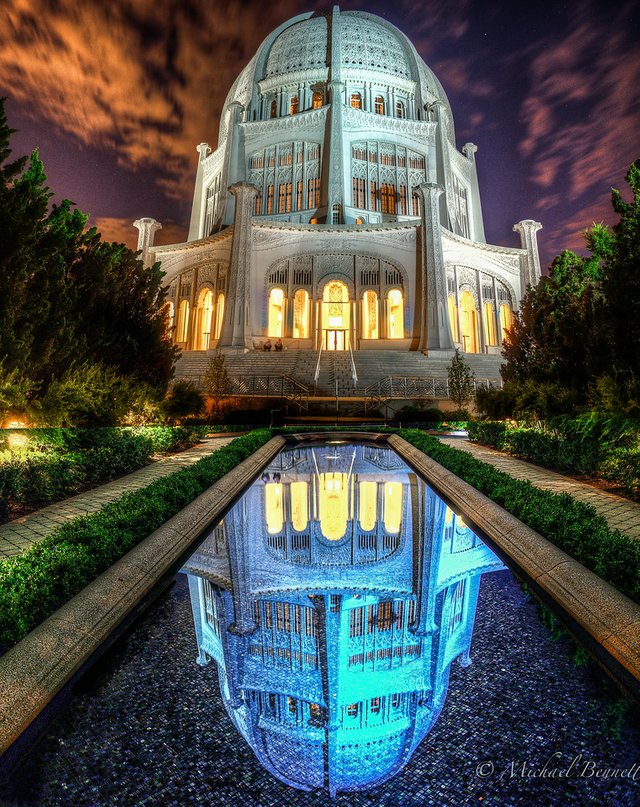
(333,599)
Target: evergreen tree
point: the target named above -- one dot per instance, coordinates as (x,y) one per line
(460,382)
(217,383)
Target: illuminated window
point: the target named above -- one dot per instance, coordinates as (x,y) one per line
(284,197)
(269,199)
(352,710)
(395,700)
(203,317)
(402,203)
(468,322)
(317,101)
(392,507)
(276,312)
(219,315)
(299,506)
(258,207)
(274,109)
(395,329)
(292,705)
(505,320)
(388,198)
(183,321)
(299,198)
(415,204)
(400,110)
(375,706)
(359,192)
(293,105)
(373,196)
(370,315)
(313,189)
(489,325)
(334,505)
(378,105)
(356,100)
(368,492)
(301,307)
(453,318)
(273,507)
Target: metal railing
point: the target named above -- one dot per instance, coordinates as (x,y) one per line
(265,386)
(416,387)
(354,372)
(316,374)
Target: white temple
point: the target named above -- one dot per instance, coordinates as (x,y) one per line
(337,211)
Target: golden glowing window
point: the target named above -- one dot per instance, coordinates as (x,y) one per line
(468,322)
(273,507)
(395,325)
(352,710)
(392,506)
(378,105)
(276,312)
(388,197)
(183,321)
(356,100)
(448,516)
(317,101)
(505,320)
(203,325)
(368,505)
(370,315)
(334,505)
(400,110)
(453,318)
(299,506)
(489,325)
(301,308)
(293,105)
(274,109)
(219,315)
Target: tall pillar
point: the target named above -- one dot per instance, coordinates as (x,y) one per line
(237,542)
(335,173)
(235,329)
(530,273)
(475,213)
(198,208)
(427,560)
(435,331)
(146,233)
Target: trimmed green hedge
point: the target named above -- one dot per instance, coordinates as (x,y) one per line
(599,445)
(57,463)
(571,525)
(48,574)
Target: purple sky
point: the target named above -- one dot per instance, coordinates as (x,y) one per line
(117,95)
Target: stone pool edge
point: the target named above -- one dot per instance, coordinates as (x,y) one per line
(602,617)
(50,657)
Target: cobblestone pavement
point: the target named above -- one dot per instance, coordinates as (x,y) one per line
(148,727)
(17,535)
(620,513)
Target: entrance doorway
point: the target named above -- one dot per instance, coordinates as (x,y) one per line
(336,339)
(335,316)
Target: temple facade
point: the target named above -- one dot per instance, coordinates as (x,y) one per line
(333,599)
(337,210)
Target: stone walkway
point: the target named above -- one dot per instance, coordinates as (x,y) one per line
(17,535)
(619,513)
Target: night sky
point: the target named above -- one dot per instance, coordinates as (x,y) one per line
(117,94)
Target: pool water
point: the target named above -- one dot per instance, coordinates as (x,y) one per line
(342,635)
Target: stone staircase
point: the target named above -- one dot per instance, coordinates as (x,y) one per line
(371,367)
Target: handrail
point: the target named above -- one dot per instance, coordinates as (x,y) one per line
(354,372)
(316,375)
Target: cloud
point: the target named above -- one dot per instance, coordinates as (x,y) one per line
(122,231)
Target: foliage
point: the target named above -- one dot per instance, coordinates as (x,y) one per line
(69,300)
(48,574)
(217,383)
(184,399)
(571,525)
(460,382)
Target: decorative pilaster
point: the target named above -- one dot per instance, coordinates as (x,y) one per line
(236,316)
(475,214)
(235,527)
(435,331)
(431,530)
(335,190)
(198,207)
(146,233)
(530,273)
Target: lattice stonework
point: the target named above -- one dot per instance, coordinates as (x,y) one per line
(460,214)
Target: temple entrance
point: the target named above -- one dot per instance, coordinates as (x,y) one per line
(335,316)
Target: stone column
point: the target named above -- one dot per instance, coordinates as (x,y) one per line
(474,207)
(435,331)
(146,233)
(430,536)
(235,329)
(530,273)
(237,542)
(198,210)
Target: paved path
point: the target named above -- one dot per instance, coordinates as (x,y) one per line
(17,535)
(620,513)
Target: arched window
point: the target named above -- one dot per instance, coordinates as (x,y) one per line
(183,322)
(276,312)
(370,315)
(395,322)
(368,505)
(301,314)
(388,198)
(468,322)
(400,110)
(203,319)
(293,105)
(505,320)
(489,325)
(273,507)
(299,506)
(392,513)
(453,318)
(378,105)
(336,315)
(356,100)
(274,109)
(219,315)
(317,101)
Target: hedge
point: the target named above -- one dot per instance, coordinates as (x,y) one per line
(604,446)
(67,461)
(51,572)
(571,525)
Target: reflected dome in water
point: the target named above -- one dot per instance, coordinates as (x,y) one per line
(333,603)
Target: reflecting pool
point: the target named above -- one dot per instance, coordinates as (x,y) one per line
(334,598)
